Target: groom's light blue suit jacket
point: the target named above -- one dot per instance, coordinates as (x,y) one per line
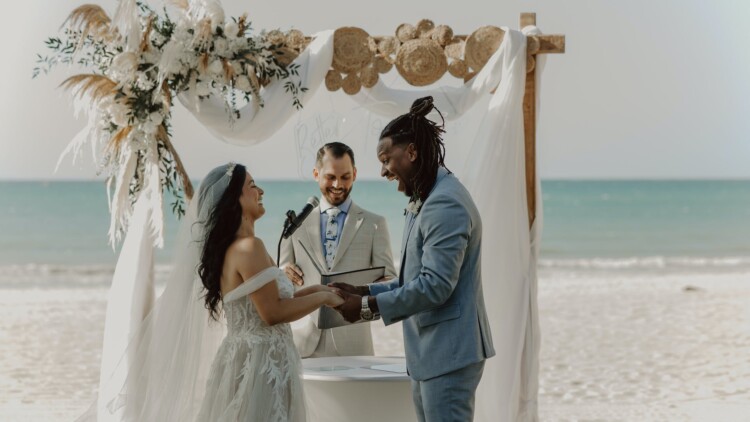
(438,293)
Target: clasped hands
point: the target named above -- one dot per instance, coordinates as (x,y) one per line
(352,296)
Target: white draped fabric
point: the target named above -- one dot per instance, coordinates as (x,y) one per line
(131,297)
(495,176)
(257,124)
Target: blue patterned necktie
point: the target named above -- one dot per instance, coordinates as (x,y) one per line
(332,235)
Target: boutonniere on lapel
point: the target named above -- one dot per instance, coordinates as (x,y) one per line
(413,207)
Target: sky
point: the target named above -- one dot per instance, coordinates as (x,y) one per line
(656,89)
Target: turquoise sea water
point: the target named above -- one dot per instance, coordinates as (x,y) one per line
(587,224)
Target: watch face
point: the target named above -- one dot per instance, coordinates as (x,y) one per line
(366,315)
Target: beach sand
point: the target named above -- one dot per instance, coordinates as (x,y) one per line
(614,348)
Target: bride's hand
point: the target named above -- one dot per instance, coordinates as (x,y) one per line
(333,298)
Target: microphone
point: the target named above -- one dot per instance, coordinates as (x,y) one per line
(293,221)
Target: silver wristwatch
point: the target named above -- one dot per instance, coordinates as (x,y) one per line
(366,313)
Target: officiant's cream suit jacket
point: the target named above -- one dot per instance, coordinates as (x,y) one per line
(364,243)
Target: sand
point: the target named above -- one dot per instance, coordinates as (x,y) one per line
(615,347)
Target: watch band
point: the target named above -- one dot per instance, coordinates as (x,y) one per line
(366,313)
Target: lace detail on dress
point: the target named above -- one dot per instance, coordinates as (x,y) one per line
(256,372)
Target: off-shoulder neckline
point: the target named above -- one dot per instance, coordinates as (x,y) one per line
(252,278)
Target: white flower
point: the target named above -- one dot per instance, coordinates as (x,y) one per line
(143,82)
(414,207)
(203,88)
(237,43)
(231,29)
(156,118)
(237,67)
(216,67)
(242,83)
(119,114)
(151,56)
(221,47)
(149,127)
(123,65)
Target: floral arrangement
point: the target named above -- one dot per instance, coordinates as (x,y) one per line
(138,62)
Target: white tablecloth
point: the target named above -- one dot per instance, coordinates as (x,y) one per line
(348,388)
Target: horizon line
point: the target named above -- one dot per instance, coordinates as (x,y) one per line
(544,179)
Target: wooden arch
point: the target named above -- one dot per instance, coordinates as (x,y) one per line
(424,53)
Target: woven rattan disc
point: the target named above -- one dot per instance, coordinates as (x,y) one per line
(351,49)
(424,26)
(443,34)
(388,45)
(455,50)
(382,65)
(372,45)
(532,45)
(458,68)
(333,80)
(406,32)
(276,37)
(480,46)
(368,76)
(295,39)
(530,63)
(351,84)
(421,62)
(286,55)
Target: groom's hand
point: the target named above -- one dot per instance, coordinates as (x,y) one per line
(355,290)
(352,305)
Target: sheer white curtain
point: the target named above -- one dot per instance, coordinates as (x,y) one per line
(495,176)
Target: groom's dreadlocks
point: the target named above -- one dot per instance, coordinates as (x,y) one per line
(414,127)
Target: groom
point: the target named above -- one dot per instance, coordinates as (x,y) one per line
(438,293)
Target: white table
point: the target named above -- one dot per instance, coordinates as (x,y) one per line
(347,388)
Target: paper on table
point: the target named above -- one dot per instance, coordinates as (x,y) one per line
(399,368)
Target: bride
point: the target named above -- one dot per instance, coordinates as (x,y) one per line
(221,268)
(256,372)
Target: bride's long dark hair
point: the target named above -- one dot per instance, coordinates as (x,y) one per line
(221,230)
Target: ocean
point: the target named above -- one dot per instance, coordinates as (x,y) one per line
(663,265)
(46,227)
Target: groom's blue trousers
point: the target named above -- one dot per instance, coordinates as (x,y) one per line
(449,397)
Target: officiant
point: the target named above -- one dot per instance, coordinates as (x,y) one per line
(341,236)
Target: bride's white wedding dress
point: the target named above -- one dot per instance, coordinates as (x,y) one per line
(255,375)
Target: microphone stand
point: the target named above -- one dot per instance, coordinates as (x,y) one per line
(290,216)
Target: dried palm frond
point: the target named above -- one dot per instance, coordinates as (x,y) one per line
(145,41)
(242,25)
(180,4)
(228,70)
(187,185)
(90,19)
(203,63)
(116,141)
(97,86)
(166,93)
(203,34)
